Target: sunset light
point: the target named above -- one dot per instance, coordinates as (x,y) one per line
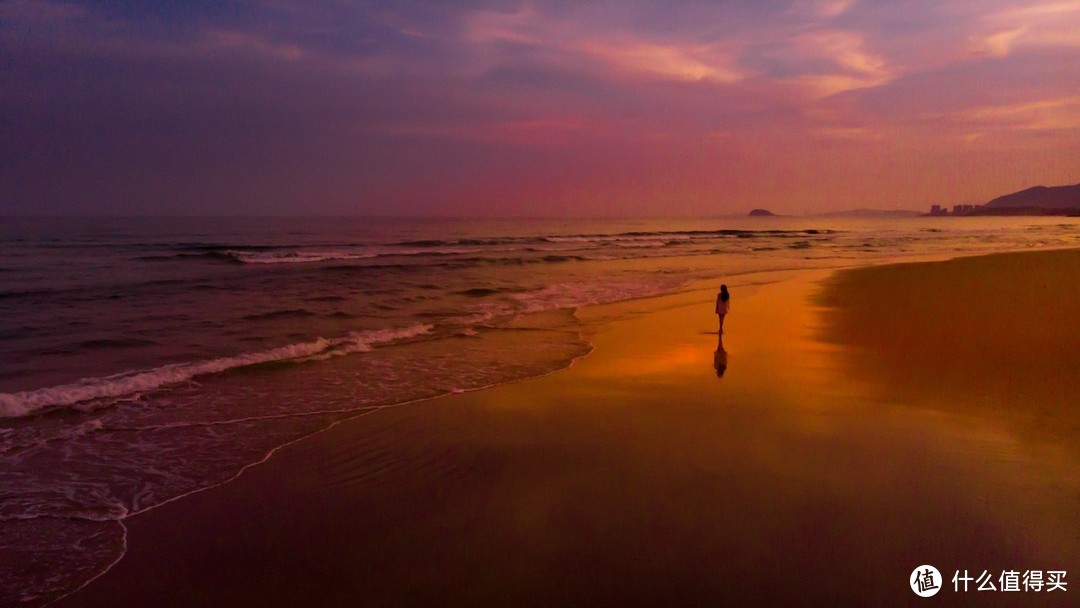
(335,303)
(702,108)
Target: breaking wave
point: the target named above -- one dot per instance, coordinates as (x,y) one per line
(86,393)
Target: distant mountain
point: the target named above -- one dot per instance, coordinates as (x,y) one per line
(871,213)
(761,213)
(1042,197)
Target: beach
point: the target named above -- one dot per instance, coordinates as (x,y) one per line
(849,439)
(425,303)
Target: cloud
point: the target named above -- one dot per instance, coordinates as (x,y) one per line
(1038,24)
(586,43)
(689,63)
(822,8)
(833,8)
(545,131)
(998,44)
(515,100)
(1056,9)
(847,133)
(524,26)
(233,40)
(853,67)
(1043,115)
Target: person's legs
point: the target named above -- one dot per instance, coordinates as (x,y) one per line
(721,330)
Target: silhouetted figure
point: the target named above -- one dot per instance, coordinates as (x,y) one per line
(719,361)
(723,305)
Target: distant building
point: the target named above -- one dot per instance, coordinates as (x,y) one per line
(957,210)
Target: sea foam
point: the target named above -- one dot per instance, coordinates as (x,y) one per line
(87,390)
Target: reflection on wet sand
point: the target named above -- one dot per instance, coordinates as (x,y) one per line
(994,337)
(979,356)
(720,357)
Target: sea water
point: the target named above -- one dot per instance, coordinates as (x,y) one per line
(145,359)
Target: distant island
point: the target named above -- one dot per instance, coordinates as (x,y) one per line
(1039,200)
(761,213)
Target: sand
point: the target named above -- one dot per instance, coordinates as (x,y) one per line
(839,450)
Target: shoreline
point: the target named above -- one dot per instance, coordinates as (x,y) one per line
(601,319)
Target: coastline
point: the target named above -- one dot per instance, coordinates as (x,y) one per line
(634,475)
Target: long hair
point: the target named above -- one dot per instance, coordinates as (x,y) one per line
(724,295)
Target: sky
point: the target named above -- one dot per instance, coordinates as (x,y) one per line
(509,108)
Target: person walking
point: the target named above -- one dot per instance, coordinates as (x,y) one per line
(723,306)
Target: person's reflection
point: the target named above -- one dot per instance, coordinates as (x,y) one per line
(720,358)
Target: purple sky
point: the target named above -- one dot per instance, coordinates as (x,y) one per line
(532,108)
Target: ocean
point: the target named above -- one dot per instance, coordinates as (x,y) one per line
(143,359)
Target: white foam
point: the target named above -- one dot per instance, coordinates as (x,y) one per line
(566,296)
(19,404)
(623,240)
(573,295)
(652,243)
(295,257)
(307,257)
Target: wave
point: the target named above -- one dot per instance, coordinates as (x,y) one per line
(482,242)
(115,343)
(308,257)
(128,384)
(566,258)
(574,295)
(293,313)
(668,237)
(564,296)
(87,292)
(224,247)
(479,292)
(659,237)
(307,254)
(23,293)
(292,257)
(18,443)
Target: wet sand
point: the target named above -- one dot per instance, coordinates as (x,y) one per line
(835,455)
